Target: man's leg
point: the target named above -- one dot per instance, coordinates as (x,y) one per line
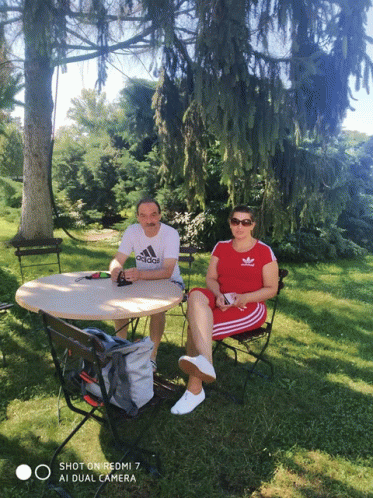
(157,325)
(121,328)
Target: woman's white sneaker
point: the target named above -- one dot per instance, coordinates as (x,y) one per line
(198,366)
(188,402)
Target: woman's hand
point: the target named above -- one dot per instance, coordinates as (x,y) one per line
(240,301)
(221,304)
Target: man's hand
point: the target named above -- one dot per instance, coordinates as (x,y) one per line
(115,272)
(116,265)
(132,274)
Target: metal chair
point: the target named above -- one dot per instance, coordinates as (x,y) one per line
(81,345)
(255,341)
(186,256)
(37,247)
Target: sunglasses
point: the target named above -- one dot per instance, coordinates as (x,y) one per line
(94,276)
(245,223)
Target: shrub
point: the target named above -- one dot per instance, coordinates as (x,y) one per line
(11,193)
(202,230)
(11,215)
(316,245)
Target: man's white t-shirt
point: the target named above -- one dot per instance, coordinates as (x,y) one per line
(150,252)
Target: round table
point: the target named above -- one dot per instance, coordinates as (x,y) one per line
(63,296)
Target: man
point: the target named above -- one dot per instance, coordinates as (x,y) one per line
(156,247)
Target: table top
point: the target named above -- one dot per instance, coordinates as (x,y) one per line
(100,299)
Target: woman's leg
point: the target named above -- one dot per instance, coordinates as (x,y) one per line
(199,343)
(194,383)
(200,320)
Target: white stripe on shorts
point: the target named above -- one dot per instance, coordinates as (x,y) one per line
(240,324)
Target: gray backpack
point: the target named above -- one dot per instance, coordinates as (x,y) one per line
(128,375)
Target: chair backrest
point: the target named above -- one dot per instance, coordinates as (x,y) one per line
(66,335)
(5,306)
(186,256)
(282,273)
(37,247)
(80,345)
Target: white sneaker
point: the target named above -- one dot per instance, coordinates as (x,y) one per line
(188,402)
(198,366)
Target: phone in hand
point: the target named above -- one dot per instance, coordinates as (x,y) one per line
(121,280)
(229,297)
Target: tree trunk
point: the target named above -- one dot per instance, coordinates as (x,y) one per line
(37,220)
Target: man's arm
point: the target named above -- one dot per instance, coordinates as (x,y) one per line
(116,265)
(133,274)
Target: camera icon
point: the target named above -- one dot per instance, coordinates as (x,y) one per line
(41,472)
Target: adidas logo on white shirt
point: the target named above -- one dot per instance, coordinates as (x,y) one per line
(148,256)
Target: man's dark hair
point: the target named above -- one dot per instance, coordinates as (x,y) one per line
(147,200)
(242,208)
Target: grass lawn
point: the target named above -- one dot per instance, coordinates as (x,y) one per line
(308,433)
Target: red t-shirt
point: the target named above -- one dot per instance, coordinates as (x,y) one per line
(241,272)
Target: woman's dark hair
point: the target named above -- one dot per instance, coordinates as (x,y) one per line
(148,200)
(241,208)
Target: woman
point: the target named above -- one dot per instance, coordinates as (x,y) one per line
(242,274)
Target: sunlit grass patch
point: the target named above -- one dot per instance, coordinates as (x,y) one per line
(357,385)
(302,473)
(7,229)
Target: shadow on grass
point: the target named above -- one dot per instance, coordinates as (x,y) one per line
(343,329)
(303,408)
(337,283)
(28,371)
(71,473)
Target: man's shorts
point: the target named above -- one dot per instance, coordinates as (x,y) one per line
(234,320)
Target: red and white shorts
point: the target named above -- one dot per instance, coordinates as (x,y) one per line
(234,320)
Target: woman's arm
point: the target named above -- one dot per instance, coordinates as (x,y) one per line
(212,283)
(269,289)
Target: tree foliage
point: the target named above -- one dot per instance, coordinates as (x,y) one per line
(10,82)
(92,163)
(237,87)
(11,154)
(357,218)
(254,77)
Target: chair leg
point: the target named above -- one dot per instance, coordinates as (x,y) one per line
(221,343)
(182,332)
(253,371)
(103,484)
(250,370)
(258,358)
(64,443)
